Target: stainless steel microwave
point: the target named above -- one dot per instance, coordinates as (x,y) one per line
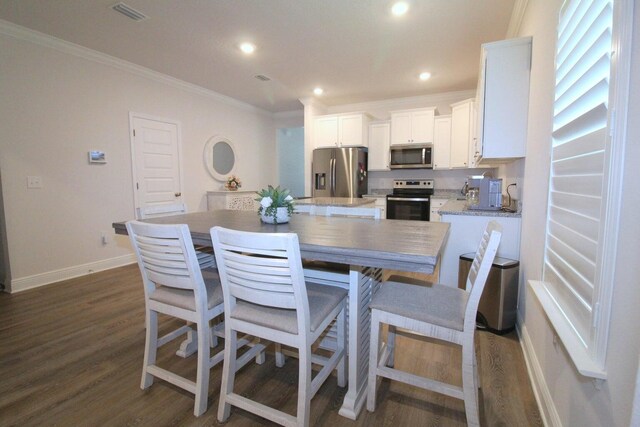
(412,156)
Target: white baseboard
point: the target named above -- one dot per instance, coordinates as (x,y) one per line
(37,280)
(547,408)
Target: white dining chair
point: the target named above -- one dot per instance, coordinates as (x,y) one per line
(441,312)
(175,285)
(266,296)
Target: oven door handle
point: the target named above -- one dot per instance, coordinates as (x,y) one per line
(408,199)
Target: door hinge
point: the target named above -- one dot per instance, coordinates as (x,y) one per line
(137,186)
(134,132)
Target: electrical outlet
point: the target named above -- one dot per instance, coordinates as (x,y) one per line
(34,182)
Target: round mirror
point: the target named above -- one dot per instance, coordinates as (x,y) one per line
(219,157)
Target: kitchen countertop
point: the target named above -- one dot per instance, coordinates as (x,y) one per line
(459,207)
(335,201)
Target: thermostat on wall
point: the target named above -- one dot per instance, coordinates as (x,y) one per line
(97,157)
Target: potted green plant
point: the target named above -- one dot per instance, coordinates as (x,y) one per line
(276,205)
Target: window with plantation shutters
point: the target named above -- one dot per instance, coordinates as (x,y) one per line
(576,286)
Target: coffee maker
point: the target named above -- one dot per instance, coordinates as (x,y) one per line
(484,193)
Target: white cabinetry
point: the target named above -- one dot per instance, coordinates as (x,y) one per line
(234,200)
(381,202)
(462,132)
(442,143)
(412,126)
(379,137)
(340,130)
(503,100)
(436,204)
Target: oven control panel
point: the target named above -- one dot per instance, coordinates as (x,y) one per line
(413,184)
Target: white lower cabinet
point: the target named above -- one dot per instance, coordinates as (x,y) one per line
(436,204)
(381,202)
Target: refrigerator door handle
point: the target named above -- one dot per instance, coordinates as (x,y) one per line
(332,168)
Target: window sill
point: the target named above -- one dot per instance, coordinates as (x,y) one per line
(578,352)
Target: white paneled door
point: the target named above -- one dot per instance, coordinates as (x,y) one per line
(156,163)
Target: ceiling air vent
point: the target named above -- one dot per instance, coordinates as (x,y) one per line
(262,77)
(129,12)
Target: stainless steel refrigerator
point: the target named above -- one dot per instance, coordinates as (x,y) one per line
(339,172)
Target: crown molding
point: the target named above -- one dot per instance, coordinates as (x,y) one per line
(517,14)
(36,37)
(289,114)
(397,103)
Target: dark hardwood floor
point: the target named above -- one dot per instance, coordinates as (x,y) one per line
(71,355)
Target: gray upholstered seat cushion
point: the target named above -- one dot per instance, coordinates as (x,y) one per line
(322,300)
(436,304)
(184,298)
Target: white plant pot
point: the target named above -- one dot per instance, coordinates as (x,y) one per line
(282,216)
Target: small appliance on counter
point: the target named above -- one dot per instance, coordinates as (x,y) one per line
(484,193)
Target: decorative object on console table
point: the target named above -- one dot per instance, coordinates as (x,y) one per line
(242,200)
(233,183)
(276,205)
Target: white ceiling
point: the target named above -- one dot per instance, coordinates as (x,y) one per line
(355,49)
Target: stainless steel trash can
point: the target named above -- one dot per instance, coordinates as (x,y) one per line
(499,301)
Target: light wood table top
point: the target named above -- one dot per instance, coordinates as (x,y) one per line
(390,244)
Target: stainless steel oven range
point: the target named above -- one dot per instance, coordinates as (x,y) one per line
(411,199)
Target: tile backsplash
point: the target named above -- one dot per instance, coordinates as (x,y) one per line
(444,179)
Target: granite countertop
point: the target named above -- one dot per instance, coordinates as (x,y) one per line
(335,201)
(459,207)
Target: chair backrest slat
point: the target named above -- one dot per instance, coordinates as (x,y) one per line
(161,210)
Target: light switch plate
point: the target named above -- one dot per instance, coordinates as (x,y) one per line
(34,182)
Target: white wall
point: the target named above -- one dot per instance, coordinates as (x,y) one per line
(57,106)
(290,142)
(567,397)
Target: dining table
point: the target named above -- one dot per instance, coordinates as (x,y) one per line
(364,246)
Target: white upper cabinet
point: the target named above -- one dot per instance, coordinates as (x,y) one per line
(412,126)
(379,138)
(341,130)
(503,100)
(461,132)
(442,143)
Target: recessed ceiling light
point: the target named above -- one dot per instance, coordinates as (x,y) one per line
(400,8)
(247,48)
(318,91)
(425,76)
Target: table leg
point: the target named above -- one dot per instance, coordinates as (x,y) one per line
(363,284)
